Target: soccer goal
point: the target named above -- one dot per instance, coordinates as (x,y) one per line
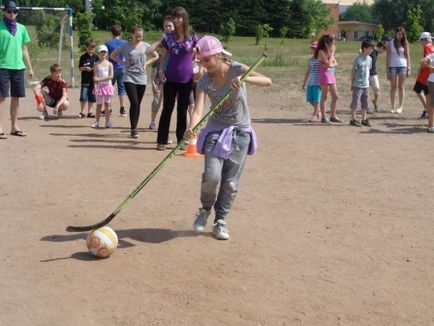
(65,19)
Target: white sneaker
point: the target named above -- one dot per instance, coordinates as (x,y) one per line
(201,219)
(95,124)
(152,126)
(393,110)
(399,110)
(109,124)
(220,230)
(430,129)
(44,116)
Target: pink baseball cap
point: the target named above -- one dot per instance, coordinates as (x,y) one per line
(314,45)
(209,45)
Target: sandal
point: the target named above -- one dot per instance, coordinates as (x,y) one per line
(3,135)
(90,115)
(18,133)
(81,115)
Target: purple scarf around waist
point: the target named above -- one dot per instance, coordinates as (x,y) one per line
(11,24)
(223,147)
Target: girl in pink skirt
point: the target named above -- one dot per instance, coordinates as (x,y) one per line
(102,76)
(325,53)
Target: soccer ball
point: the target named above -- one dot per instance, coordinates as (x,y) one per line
(102,242)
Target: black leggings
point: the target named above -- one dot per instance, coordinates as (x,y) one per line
(135,95)
(171,90)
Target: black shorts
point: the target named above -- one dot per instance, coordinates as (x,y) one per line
(419,87)
(13,78)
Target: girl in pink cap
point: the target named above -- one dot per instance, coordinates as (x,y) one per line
(313,90)
(228,136)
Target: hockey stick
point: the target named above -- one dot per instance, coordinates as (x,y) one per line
(172,153)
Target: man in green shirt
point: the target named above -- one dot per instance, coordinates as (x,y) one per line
(13,37)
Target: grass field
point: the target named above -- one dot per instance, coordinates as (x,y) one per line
(286,62)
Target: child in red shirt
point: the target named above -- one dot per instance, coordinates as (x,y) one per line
(56,97)
(420,87)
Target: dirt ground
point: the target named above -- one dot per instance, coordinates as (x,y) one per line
(333,225)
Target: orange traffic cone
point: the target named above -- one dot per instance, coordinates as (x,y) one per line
(191,150)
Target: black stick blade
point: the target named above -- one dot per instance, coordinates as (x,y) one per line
(91,227)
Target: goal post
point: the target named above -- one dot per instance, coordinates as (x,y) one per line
(68,18)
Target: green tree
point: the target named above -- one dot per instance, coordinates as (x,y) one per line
(379,33)
(359,12)
(227,30)
(412,25)
(86,29)
(262,30)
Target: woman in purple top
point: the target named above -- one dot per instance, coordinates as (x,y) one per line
(177,76)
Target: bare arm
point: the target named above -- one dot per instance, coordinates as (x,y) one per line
(197,112)
(153,47)
(162,61)
(27,58)
(154,58)
(256,78)
(306,75)
(407,56)
(115,56)
(353,74)
(62,99)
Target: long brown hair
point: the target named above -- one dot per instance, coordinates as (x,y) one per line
(322,44)
(181,12)
(403,42)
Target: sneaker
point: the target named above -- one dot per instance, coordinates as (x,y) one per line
(122,112)
(399,110)
(220,230)
(201,219)
(355,123)
(430,129)
(393,110)
(161,147)
(152,126)
(366,123)
(335,119)
(424,115)
(325,120)
(134,133)
(95,124)
(44,116)
(90,115)
(109,124)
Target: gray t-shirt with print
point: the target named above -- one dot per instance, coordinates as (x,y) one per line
(135,58)
(234,112)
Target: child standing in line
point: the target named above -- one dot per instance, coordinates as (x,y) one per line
(313,91)
(421,85)
(157,84)
(103,74)
(86,63)
(227,138)
(360,84)
(428,62)
(374,83)
(325,53)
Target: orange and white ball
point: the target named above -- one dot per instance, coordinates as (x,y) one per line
(102,242)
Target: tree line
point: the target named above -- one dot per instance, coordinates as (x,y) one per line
(284,18)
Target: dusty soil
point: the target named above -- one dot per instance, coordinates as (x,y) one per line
(333,225)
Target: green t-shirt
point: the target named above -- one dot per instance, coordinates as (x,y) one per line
(11,47)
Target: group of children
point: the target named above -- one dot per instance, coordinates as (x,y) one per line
(320,77)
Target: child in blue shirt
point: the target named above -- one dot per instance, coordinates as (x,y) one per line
(360,84)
